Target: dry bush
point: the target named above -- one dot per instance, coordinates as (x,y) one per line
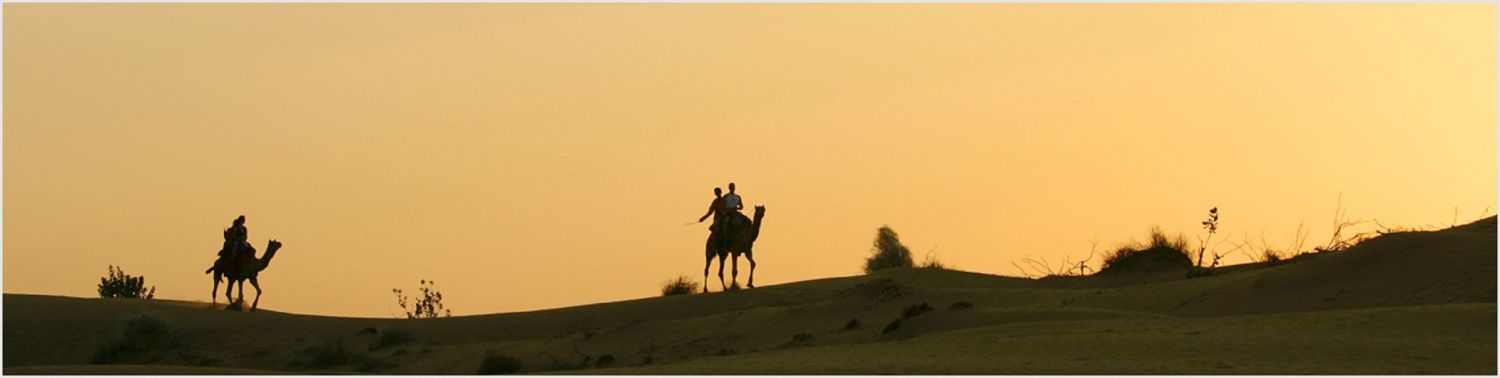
(1040,267)
(932,262)
(1165,249)
(392,336)
(681,285)
(120,285)
(888,252)
(328,354)
(495,363)
(877,290)
(430,305)
(142,337)
(1340,238)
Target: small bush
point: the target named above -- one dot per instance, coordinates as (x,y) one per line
(961,305)
(878,290)
(392,336)
(120,285)
(495,363)
(888,252)
(682,285)
(372,364)
(328,354)
(430,305)
(914,310)
(1271,257)
(932,262)
(1161,250)
(802,338)
(605,361)
(144,333)
(852,324)
(892,326)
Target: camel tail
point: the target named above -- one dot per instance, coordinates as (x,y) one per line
(210,270)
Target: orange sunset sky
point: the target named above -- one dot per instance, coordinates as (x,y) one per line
(538,156)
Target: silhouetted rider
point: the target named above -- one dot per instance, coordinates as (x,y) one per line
(715,209)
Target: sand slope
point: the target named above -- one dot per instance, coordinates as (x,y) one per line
(1419,302)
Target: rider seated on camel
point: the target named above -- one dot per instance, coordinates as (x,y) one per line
(732,206)
(715,209)
(237,238)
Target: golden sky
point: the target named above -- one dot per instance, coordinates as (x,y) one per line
(537,156)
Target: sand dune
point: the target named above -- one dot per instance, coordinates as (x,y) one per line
(1418,302)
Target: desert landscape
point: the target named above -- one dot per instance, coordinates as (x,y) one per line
(1416,302)
(566,183)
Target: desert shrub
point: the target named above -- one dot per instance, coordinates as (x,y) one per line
(392,336)
(681,285)
(143,333)
(430,305)
(932,262)
(852,324)
(604,361)
(802,338)
(878,290)
(328,354)
(914,310)
(120,285)
(1161,250)
(373,364)
(888,252)
(1271,257)
(495,363)
(1212,226)
(892,326)
(961,305)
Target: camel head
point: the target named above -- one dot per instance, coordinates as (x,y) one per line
(760,212)
(273,245)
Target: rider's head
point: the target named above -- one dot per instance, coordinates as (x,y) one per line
(731,187)
(240,220)
(718,192)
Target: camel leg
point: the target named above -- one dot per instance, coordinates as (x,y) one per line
(722,285)
(708,261)
(734,272)
(229,292)
(750,256)
(241,299)
(256,283)
(215,292)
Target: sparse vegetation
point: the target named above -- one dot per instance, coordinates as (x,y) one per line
(892,326)
(852,324)
(328,354)
(888,252)
(1339,241)
(931,261)
(141,338)
(1212,225)
(120,285)
(1040,267)
(430,305)
(802,338)
(1271,257)
(914,310)
(392,336)
(681,285)
(1160,250)
(878,290)
(495,363)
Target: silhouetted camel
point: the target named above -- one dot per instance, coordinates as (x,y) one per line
(239,266)
(735,240)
